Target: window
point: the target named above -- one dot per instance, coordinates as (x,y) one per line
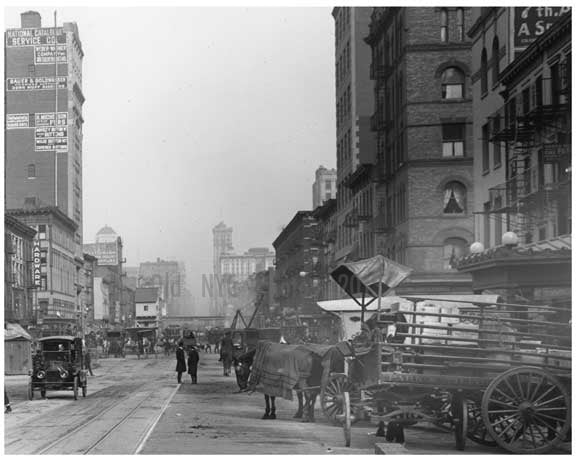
(537,93)
(460,24)
(454,198)
(453,140)
(526,101)
(42,231)
(486,221)
(484,72)
(328,185)
(31,171)
(452,83)
(497,145)
(495,60)
(145,308)
(454,249)
(485,148)
(444,25)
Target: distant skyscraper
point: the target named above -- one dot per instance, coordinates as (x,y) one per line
(324,187)
(222,244)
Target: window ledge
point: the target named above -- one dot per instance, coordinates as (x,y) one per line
(455,215)
(486,172)
(484,94)
(497,165)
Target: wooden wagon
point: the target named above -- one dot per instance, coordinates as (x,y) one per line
(495,373)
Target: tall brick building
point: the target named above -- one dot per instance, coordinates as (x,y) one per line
(44,119)
(354,139)
(421,61)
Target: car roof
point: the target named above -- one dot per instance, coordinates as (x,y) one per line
(57,338)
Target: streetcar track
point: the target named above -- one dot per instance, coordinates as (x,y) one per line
(90,420)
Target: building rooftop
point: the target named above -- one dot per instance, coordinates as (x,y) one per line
(146,295)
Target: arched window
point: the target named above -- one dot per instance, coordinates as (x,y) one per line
(454,248)
(484,71)
(452,83)
(495,60)
(454,198)
(444,25)
(460,24)
(31,171)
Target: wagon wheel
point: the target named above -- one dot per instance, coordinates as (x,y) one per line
(526,410)
(347,423)
(460,418)
(30,390)
(477,431)
(75,388)
(332,397)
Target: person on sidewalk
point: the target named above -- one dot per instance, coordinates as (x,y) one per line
(180,361)
(7,407)
(89,362)
(193,359)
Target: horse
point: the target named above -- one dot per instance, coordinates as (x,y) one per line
(307,389)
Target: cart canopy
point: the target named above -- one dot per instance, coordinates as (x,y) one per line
(362,277)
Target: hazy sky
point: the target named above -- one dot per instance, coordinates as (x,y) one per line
(196,115)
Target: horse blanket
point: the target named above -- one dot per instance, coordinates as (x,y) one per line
(277,368)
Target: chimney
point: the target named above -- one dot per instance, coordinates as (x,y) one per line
(30,20)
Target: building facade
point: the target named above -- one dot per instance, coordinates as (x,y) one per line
(170,278)
(354,139)
(240,267)
(101,301)
(529,133)
(87,304)
(55,276)
(324,187)
(221,245)
(147,303)
(421,66)
(44,118)
(108,249)
(20,256)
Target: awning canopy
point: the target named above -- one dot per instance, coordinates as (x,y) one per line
(365,277)
(14,331)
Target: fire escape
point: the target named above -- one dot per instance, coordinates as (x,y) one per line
(537,143)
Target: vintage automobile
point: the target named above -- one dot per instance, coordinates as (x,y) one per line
(58,364)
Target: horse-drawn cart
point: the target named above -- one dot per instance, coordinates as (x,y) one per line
(495,373)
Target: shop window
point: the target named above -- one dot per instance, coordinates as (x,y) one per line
(453,139)
(454,198)
(484,72)
(454,249)
(452,83)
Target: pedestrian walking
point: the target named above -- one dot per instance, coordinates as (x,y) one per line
(193,359)
(180,361)
(7,407)
(89,362)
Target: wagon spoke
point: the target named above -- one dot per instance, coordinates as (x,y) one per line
(520,390)
(509,427)
(504,394)
(533,395)
(550,389)
(504,411)
(511,388)
(551,400)
(502,421)
(500,402)
(540,432)
(551,417)
(550,427)
(532,435)
(518,429)
(551,409)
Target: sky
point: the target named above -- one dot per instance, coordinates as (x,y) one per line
(197,115)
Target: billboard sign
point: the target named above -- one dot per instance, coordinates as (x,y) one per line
(51,131)
(37,272)
(531,22)
(44,54)
(35,83)
(106,252)
(35,37)
(15,121)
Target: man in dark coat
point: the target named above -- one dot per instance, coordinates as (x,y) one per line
(193,359)
(226,352)
(180,361)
